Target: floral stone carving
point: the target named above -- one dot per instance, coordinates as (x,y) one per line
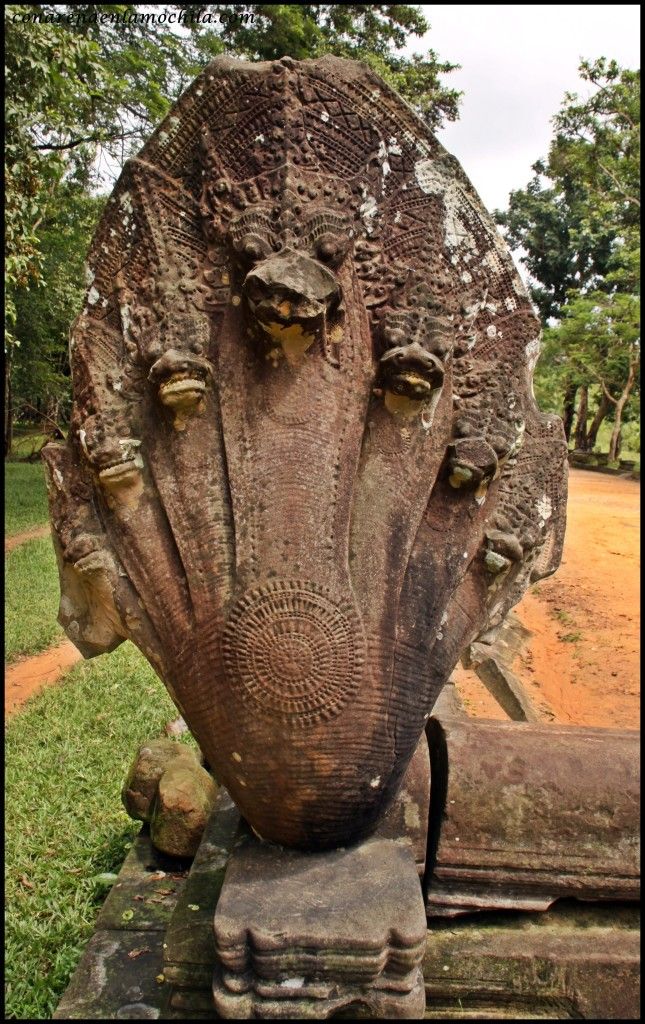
(306,467)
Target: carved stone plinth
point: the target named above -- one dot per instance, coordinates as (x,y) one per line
(523,815)
(189,947)
(575,960)
(308,934)
(153,953)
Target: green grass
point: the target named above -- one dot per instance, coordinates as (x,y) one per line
(563,617)
(572,638)
(31,599)
(67,754)
(26,441)
(25,496)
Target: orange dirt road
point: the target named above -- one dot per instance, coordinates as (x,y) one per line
(29,675)
(581,667)
(19,538)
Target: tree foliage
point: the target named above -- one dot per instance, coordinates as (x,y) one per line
(562,251)
(43,315)
(74,87)
(576,223)
(52,79)
(598,142)
(597,341)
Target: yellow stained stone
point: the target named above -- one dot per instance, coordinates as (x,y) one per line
(401,405)
(293,339)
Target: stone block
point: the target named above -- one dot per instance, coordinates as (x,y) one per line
(118,978)
(309,934)
(146,892)
(448,703)
(184,802)
(522,815)
(507,688)
(189,953)
(573,961)
(151,761)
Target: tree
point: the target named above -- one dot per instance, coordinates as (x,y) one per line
(570,227)
(600,335)
(576,222)
(52,80)
(40,379)
(561,252)
(598,142)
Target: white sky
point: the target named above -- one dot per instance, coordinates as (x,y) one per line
(518,60)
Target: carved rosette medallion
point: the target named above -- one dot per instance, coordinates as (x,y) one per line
(297,652)
(305,465)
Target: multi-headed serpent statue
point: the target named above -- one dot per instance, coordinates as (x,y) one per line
(305,466)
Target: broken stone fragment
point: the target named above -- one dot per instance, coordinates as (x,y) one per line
(185,800)
(151,761)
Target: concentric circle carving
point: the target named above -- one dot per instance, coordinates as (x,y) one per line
(295,649)
(291,394)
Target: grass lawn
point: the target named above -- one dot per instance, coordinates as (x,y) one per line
(26,441)
(31,599)
(67,754)
(25,496)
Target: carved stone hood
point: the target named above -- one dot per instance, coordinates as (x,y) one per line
(305,466)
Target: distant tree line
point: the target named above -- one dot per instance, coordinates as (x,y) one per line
(577,226)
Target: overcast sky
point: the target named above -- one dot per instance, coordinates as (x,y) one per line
(517,62)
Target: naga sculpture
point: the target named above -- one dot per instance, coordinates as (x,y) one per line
(305,466)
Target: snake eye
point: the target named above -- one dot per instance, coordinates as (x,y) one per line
(252,249)
(394,336)
(330,249)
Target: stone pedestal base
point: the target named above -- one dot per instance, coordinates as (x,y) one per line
(308,934)
(344,934)
(319,1003)
(576,960)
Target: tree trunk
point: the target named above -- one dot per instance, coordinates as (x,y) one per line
(51,413)
(615,434)
(8,409)
(569,408)
(614,444)
(601,412)
(581,426)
